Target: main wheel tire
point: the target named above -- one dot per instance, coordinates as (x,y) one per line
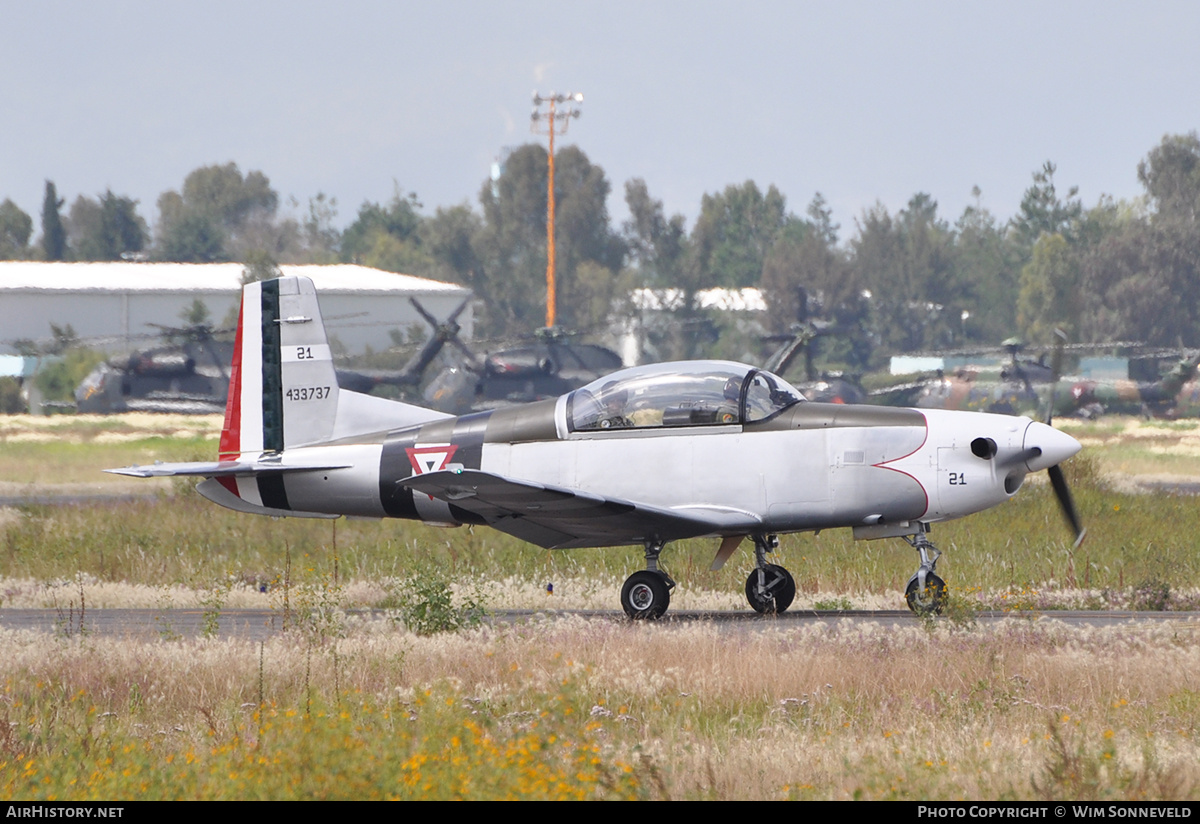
(776,594)
(645,595)
(927,601)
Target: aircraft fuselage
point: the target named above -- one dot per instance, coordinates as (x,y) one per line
(814,466)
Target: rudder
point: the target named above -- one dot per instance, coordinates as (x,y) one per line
(283,389)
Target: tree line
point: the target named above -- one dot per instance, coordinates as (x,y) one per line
(899,282)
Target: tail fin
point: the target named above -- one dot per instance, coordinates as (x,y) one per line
(283,389)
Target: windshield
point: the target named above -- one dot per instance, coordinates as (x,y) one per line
(692,393)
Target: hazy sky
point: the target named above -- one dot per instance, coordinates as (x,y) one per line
(863,102)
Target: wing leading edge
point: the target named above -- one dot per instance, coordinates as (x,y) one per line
(556,518)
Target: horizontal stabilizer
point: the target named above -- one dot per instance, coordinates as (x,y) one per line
(215,469)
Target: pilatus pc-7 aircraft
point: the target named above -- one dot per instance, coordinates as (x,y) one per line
(646,456)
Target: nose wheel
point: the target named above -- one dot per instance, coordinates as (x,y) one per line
(926,592)
(928,599)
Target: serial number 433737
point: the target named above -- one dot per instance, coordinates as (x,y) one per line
(307,393)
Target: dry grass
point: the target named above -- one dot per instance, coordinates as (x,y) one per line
(832,711)
(132,426)
(1129,450)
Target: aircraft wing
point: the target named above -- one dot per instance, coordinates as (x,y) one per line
(560,518)
(214,469)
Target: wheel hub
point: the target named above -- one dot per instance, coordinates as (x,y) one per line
(641,596)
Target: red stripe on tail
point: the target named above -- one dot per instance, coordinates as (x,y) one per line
(231,434)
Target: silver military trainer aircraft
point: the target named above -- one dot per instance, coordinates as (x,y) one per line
(646,456)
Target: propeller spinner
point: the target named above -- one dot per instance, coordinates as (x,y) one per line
(1046,448)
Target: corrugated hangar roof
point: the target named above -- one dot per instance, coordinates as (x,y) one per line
(123,276)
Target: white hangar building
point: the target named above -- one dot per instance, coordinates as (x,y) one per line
(119,300)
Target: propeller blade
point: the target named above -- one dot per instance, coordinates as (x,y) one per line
(1061,491)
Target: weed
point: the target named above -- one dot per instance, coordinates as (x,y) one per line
(426,605)
(960,610)
(166,628)
(67,622)
(833,604)
(212,601)
(1086,770)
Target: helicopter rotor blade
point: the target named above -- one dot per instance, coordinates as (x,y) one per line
(1055,372)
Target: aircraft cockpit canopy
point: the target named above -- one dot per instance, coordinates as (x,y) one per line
(691,393)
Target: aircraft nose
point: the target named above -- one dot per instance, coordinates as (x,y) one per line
(1045,446)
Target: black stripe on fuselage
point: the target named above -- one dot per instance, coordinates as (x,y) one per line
(272,369)
(469,431)
(394,467)
(465,434)
(271,489)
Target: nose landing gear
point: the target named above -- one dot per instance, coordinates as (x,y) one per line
(926,592)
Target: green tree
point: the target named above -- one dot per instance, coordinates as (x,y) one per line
(105,229)
(734,232)
(1171,175)
(450,237)
(658,251)
(1050,295)
(187,236)
(222,193)
(1140,281)
(387,236)
(820,216)
(583,231)
(1043,211)
(511,246)
(1141,270)
(15,230)
(221,214)
(392,254)
(907,263)
(321,237)
(805,276)
(988,264)
(657,244)
(54,236)
(259,266)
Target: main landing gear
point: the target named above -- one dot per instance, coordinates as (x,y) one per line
(926,592)
(770,589)
(647,594)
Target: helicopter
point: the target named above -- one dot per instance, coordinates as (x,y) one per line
(824,387)
(188,377)
(1030,386)
(548,367)
(1176,394)
(190,374)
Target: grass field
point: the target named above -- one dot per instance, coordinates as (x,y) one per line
(567,707)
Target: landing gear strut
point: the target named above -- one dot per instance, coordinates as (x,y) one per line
(770,588)
(647,594)
(926,592)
